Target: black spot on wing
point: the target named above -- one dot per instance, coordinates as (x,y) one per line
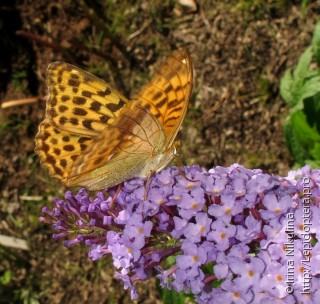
(65,98)
(95,106)
(80,112)
(104,93)
(79,100)
(73,82)
(74,121)
(115,107)
(87,124)
(86,94)
(68,148)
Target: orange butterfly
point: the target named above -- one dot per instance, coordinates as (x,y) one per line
(94,137)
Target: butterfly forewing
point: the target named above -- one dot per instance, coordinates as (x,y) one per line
(169,91)
(80,102)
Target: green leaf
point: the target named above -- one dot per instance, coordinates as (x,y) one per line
(315,152)
(300,137)
(310,88)
(301,70)
(314,164)
(169,296)
(312,111)
(6,277)
(311,74)
(286,87)
(308,134)
(293,142)
(316,42)
(292,83)
(316,100)
(300,73)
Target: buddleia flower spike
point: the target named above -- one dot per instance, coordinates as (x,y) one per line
(235,236)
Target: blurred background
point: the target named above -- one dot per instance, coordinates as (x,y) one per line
(245,47)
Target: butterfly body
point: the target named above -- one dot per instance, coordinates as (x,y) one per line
(94,137)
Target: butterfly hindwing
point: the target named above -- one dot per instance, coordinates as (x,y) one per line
(122,150)
(58,149)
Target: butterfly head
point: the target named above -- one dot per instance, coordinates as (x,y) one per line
(159,161)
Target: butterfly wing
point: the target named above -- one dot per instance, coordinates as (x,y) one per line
(169,91)
(79,102)
(123,150)
(79,107)
(59,149)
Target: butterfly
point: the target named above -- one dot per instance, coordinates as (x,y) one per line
(93,136)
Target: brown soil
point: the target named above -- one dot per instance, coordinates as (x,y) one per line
(242,47)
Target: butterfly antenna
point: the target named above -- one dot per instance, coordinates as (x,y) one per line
(209,112)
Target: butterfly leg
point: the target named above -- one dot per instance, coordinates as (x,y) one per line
(179,165)
(184,175)
(147,186)
(115,195)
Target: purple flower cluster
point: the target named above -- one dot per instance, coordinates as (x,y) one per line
(236,235)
